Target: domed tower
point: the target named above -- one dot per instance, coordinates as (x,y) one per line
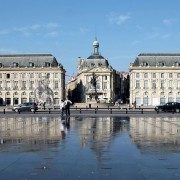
(96,47)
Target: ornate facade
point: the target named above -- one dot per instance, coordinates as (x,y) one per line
(96,79)
(21,75)
(155,79)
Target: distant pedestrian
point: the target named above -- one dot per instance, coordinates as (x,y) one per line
(62,107)
(68,103)
(135,104)
(44,105)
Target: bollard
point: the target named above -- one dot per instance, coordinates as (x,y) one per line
(126,111)
(157,112)
(76,107)
(49,110)
(95,110)
(108,107)
(4,111)
(80,110)
(142,111)
(34,111)
(111,111)
(18,111)
(97,107)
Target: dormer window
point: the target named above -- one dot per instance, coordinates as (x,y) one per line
(92,64)
(15,64)
(145,64)
(31,64)
(47,64)
(162,64)
(176,64)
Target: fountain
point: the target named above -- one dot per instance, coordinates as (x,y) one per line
(92,90)
(43,93)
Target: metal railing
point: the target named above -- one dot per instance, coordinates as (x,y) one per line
(86,110)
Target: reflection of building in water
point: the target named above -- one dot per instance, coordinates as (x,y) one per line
(98,132)
(32,129)
(156,133)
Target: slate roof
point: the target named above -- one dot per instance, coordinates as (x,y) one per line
(95,56)
(24,60)
(157,59)
(87,64)
(97,63)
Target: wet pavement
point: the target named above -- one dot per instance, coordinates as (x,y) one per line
(39,147)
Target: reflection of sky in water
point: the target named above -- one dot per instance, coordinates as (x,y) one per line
(89,148)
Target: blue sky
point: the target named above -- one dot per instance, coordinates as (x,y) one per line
(67,28)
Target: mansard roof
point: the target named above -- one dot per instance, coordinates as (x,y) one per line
(157,59)
(26,60)
(87,64)
(95,56)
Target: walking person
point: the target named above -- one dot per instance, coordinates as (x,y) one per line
(67,106)
(44,105)
(62,107)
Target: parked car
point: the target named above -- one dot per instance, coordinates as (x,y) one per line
(170,106)
(28,106)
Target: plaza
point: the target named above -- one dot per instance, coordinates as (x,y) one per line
(39,146)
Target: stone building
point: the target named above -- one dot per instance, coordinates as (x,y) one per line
(95,81)
(155,79)
(23,77)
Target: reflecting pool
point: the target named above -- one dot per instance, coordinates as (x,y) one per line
(89,148)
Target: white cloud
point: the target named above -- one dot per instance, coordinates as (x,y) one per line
(4,31)
(118,19)
(167,22)
(51,25)
(39,29)
(52,34)
(166,36)
(35,26)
